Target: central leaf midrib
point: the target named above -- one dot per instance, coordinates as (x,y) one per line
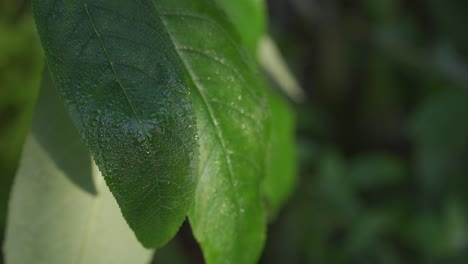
(140,123)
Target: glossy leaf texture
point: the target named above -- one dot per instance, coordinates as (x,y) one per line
(227,216)
(54,219)
(281,159)
(122,82)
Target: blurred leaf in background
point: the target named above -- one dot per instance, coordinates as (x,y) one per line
(21,65)
(383,134)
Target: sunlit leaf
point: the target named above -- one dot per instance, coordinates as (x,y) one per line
(281,157)
(227,217)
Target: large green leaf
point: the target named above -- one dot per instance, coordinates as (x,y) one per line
(54,219)
(124,86)
(227,217)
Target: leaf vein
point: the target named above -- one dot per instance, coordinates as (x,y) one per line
(147,145)
(221,62)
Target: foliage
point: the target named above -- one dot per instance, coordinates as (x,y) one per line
(172,120)
(381,131)
(130,104)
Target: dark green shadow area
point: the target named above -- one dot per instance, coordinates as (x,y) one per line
(53,128)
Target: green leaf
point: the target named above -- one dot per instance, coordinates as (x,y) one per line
(122,82)
(281,156)
(249,17)
(53,219)
(227,217)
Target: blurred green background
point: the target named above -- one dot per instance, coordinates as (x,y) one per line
(382,135)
